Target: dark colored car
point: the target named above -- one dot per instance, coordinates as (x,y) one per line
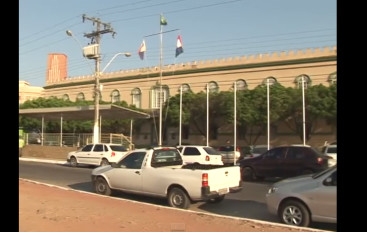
(284,162)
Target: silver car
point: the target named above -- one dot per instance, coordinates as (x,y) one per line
(304,199)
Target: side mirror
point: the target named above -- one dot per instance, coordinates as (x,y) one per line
(114,165)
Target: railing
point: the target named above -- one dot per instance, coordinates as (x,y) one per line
(76,140)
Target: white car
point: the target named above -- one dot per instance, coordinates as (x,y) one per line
(97,154)
(330,150)
(200,154)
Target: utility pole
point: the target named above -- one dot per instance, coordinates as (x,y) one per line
(95,37)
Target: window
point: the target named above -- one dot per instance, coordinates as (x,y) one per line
(213,87)
(185,88)
(80,97)
(191,151)
(155,96)
(133,161)
(65,97)
(87,147)
(332,79)
(276,153)
(296,153)
(302,78)
(241,84)
(136,97)
(98,147)
(99,94)
(115,96)
(271,80)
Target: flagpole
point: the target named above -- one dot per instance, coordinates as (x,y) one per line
(160,83)
(180,128)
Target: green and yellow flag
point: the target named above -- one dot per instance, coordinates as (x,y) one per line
(163,20)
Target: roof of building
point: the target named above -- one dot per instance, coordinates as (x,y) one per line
(83,113)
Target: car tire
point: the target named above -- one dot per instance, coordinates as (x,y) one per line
(248,174)
(217,199)
(294,213)
(104,162)
(73,162)
(177,198)
(101,187)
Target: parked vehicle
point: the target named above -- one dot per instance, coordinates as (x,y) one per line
(301,200)
(255,151)
(159,172)
(330,150)
(230,155)
(284,162)
(200,155)
(34,137)
(97,154)
(21,141)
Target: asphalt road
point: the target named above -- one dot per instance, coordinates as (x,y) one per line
(248,203)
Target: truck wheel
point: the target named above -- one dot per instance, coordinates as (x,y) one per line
(177,198)
(73,162)
(104,162)
(217,199)
(102,187)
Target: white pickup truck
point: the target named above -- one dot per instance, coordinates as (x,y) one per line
(159,172)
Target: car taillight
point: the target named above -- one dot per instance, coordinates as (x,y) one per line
(207,158)
(320,160)
(113,154)
(204,180)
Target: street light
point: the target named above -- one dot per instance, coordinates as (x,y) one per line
(97,75)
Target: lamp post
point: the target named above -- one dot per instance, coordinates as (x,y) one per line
(97,75)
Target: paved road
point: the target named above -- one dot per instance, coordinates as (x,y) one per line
(248,203)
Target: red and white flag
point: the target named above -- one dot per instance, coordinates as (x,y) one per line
(142,50)
(179,47)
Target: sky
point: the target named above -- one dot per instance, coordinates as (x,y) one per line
(209,29)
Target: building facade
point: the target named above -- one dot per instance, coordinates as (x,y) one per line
(141,87)
(27,92)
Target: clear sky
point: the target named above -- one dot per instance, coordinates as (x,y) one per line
(210,29)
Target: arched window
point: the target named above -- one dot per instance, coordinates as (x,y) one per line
(80,97)
(241,84)
(115,96)
(185,88)
(213,87)
(332,78)
(155,96)
(100,95)
(270,80)
(306,80)
(136,97)
(65,97)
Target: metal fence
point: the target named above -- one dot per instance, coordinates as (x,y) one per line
(75,140)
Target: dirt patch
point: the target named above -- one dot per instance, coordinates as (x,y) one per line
(47,208)
(50,152)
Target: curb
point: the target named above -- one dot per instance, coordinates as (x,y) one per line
(44,160)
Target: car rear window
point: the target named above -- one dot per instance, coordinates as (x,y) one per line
(331,150)
(211,151)
(118,148)
(226,148)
